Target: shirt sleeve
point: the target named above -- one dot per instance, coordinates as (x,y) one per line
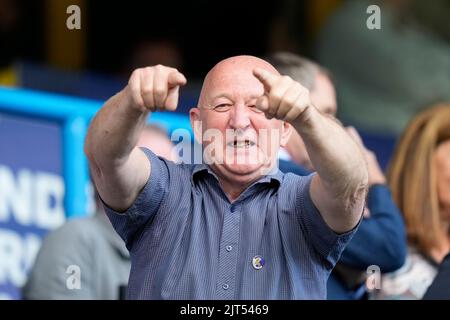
(127,224)
(325,241)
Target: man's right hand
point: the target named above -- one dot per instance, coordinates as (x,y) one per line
(155,88)
(120,169)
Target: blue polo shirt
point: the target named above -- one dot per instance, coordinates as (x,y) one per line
(188,241)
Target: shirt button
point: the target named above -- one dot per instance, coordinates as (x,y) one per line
(233,208)
(225,286)
(229,248)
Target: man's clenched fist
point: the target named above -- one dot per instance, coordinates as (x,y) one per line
(284,98)
(155,88)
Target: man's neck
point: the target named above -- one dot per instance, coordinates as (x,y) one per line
(233,189)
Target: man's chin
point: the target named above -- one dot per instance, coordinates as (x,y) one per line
(243,169)
(246,170)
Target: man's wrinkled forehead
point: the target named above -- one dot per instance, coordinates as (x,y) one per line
(234,73)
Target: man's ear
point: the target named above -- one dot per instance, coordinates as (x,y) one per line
(286,131)
(196,124)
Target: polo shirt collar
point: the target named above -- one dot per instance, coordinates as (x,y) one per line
(273,176)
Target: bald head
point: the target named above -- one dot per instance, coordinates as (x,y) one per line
(244,63)
(238,69)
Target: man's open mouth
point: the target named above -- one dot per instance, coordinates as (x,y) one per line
(241,144)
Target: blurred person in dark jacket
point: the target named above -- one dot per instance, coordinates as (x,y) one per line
(440,287)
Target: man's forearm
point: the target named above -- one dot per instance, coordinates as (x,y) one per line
(336,157)
(338,161)
(119,169)
(339,189)
(114,131)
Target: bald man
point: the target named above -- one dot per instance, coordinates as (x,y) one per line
(234,226)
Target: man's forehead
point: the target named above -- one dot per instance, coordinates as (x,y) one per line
(233,86)
(235,73)
(240,65)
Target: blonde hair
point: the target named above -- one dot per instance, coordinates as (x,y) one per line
(412,176)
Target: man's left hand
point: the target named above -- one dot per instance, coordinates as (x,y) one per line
(283,99)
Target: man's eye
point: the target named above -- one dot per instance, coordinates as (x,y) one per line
(224,107)
(254,109)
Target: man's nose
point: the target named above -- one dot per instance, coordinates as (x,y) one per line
(240,118)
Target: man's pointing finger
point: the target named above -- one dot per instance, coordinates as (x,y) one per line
(268,79)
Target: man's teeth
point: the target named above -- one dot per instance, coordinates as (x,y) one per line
(241,144)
